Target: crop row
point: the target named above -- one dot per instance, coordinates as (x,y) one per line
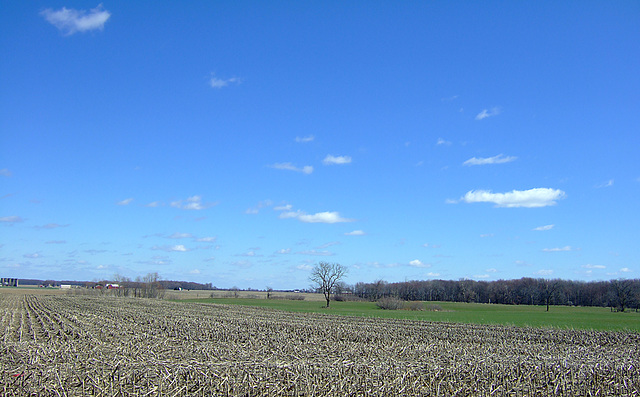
(103,346)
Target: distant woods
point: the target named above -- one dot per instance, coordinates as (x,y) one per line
(620,294)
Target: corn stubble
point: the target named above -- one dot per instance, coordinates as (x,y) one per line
(103,346)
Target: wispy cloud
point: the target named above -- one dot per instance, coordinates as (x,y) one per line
(442,141)
(355,233)
(258,207)
(626,270)
(307,169)
(543,228)
(544,272)
(11,219)
(608,183)
(499,159)
(336,160)
(589,266)
(218,83)
(305,139)
(319,217)
(154,204)
(488,113)
(192,203)
(5,172)
(558,249)
(125,201)
(180,235)
(70,21)
(51,226)
(206,239)
(316,253)
(532,198)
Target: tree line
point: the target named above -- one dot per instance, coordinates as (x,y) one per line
(621,294)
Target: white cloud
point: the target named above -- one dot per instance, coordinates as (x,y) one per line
(355,233)
(125,201)
(11,219)
(170,248)
(488,113)
(32,256)
(5,172)
(192,203)
(286,207)
(442,141)
(559,249)
(316,253)
(333,160)
(194,271)
(626,270)
(51,226)
(257,208)
(499,159)
(305,139)
(154,204)
(284,251)
(70,21)
(206,239)
(537,197)
(543,228)
(427,245)
(480,276)
(304,267)
(589,266)
(307,169)
(544,272)
(608,183)
(180,235)
(418,263)
(217,83)
(432,274)
(323,217)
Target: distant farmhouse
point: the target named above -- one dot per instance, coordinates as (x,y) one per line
(9,282)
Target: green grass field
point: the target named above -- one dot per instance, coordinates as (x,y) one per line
(596,318)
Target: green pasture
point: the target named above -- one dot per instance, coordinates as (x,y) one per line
(595,318)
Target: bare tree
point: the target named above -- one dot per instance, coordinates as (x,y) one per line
(548,289)
(622,291)
(325,276)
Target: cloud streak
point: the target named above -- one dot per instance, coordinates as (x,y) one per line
(70,21)
(499,159)
(488,113)
(532,198)
(307,169)
(336,160)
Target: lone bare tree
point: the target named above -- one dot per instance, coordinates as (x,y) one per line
(325,276)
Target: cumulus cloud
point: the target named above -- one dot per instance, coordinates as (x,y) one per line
(532,198)
(336,160)
(170,248)
(307,169)
(488,113)
(499,159)
(125,201)
(218,83)
(322,217)
(418,263)
(192,203)
(558,249)
(305,139)
(70,21)
(355,233)
(543,228)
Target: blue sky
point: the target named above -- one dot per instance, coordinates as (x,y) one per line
(240,143)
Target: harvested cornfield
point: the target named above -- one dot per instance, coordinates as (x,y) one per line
(103,346)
